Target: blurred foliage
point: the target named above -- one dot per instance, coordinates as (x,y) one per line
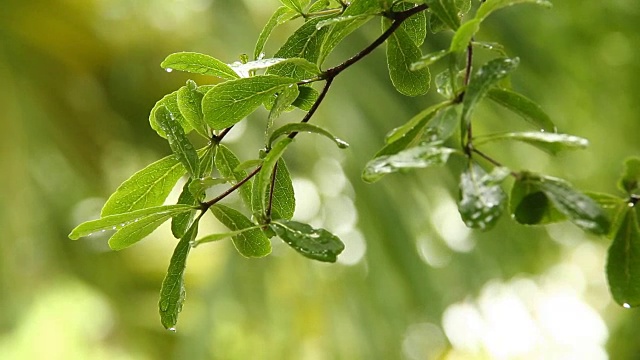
(78,80)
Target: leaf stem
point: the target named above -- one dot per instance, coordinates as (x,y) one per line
(468,146)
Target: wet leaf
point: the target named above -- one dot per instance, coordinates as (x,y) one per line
(630,180)
(251,243)
(181,222)
(180,145)
(464,35)
(171,103)
(623,263)
(227,163)
(524,107)
(429,59)
(199,64)
(317,244)
(263,180)
(190,105)
(490,6)
(482,200)
(421,156)
(446,11)
(274,20)
(283,101)
(307,98)
(401,53)
(416,25)
(305,127)
(549,142)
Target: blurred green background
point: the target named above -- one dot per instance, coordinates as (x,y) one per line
(77,79)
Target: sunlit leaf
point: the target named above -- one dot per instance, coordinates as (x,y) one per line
(267,30)
(490,6)
(199,64)
(306,98)
(283,200)
(245,69)
(119,221)
(227,163)
(463,36)
(171,103)
(190,105)
(181,222)
(231,101)
(446,11)
(401,53)
(251,243)
(148,187)
(293,5)
(180,145)
(317,244)
(421,156)
(172,293)
(623,263)
(408,134)
(482,200)
(429,59)
(221,236)
(305,127)
(283,101)
(264,178)
(630,180)
(416,25)
(550,142)
(443,125)
(524,107)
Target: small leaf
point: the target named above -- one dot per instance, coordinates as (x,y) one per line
(182,222)
(614,207)
(222,236)
(263,180)
(148,187)
(227,164)
(401,53)
(251,243)
(229,102)
(488,75)
(293,5)
(493,46)
(421,156)
(408,134)
(305,127)
(274,20)
(342,19)
(190,105)
(446,11)
(630,180)
(171,103)
(524,107)
(443,125)
(118,221)
(307,98)
(481,197)
(444,85)
(253,163)
(550,142)
(463,6)
(463,36)
(180,145)
(623,263)
(283,101)
(172,293)
(199,64)
(490,6)
(429,59)
(245,69)
(284,200)
(198,187)
(317,244)
(416,25)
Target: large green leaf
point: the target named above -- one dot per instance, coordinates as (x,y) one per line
(421,156)
(231,101)
(401,53)
(226,163)
(488,75)
(446,11)
(148,187)
(306,98)
(524,107)
(274,20)
(138,230)
(283,200)
(416,25)
(305,127)
(119,221)
(490,6)
(180,145)
(172,293)
(550,142)
(623,263)
(199,64)
(630,180)
(317,244)
(264,178)
(171,102)
(190,105)
(251,243)
(482,200)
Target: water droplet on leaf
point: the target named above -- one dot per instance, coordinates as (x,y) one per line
(626,306)
(169,70)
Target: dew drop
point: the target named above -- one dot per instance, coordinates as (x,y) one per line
(626,306)
(172,329)
(169,70)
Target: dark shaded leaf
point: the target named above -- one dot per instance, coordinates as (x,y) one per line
(630,180)
(263,180)
(623,263)
(317,244)
(446,11)
(171,102)
(481,197)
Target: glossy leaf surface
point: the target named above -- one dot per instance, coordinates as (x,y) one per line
(170,101)
(199,64)
(549,142)
(623,263)
(305,127)
(421,156)
(524,107)
(263,180)
(190,106)
(274,20)
(317,244)
(482,200)
(180,145)
(490,6)
(251,243)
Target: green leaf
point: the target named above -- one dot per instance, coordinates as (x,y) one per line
(283,101)
(198,187)
(481,197)
(190,106)
(284,200)
(229,102)
(305,127)
(534,196)
(421,156)
(251,243)
(406,135)
(524,107)
(550,142)
(490,6)
(119,221)
(221,236)
(148,187)
(463,36)
(493,46)
(488,75)
(263,180)
(170,101)
(307,98)
(293,5)
(416,25)
(429,59)
(199,64)
(463,6)
(444,84)
(317,244)
(180,145)
(181,222)
(227,163)
(401,53)
(446,11)
(623,263)
(630,180)
(343,19)
(246,69)
(274,20)
(172,293)
(614,207)
(247,164)
(443,125)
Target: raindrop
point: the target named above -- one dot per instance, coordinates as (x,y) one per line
(169,69)
(626,306)
(172,329)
